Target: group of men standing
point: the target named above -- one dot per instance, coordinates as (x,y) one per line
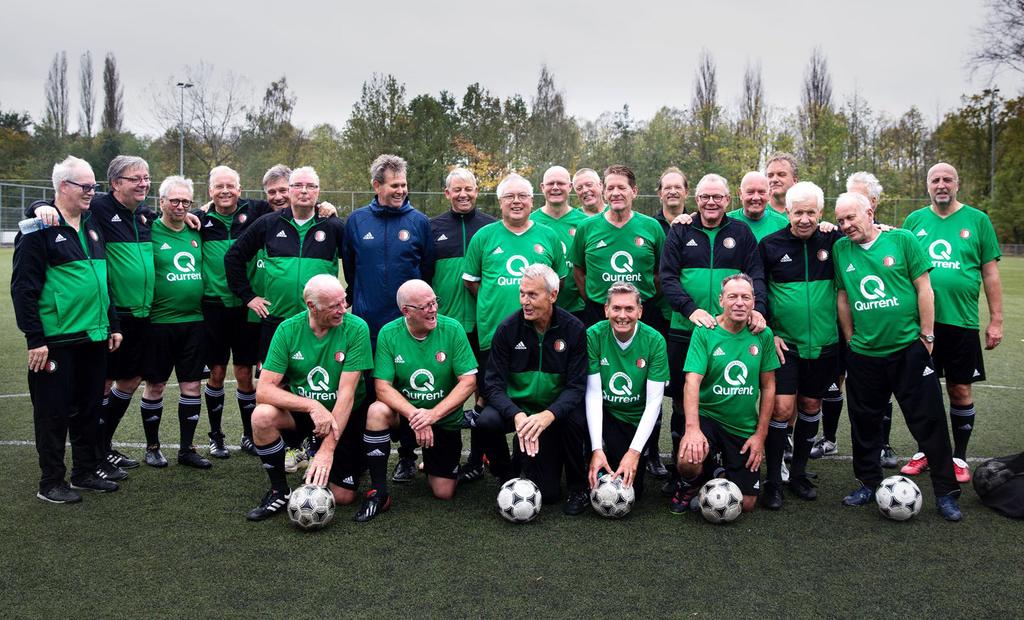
(568,324)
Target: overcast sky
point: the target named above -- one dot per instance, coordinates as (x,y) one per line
(893,53)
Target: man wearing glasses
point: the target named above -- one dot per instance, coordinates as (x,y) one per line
(63,306)
(697,257)
(424,370)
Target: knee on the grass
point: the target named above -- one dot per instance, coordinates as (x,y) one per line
(342,496)
(442,488)
(380,417)
(749,503)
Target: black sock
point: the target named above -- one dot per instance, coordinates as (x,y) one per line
(377,446)
(246,403)
(775,445)
(803,439)
(961,418)
(117,405)
(831,409)
(152,411)
(188,417)
(272,456)
(886,422)
(214,406)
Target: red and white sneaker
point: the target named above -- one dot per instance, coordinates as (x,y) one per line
(918,463)
(962,471)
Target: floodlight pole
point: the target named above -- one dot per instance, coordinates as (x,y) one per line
(181,128)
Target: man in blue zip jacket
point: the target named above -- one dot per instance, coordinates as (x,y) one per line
(387,243)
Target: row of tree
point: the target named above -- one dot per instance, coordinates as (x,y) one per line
(983,137)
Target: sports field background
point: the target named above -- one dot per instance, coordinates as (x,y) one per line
(175,542)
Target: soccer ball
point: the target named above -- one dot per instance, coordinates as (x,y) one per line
(720,501)
(311,507)
(610,499)
(898,498)
(519,500)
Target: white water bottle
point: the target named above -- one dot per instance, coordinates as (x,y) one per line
(31,225)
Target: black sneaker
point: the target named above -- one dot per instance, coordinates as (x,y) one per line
(374,504)
(124,462)
(669,488)
(860,497)
(576,504)
(247,445)
(59,494)
(92,482)
(655,467)
(191,458)
(681,498)
(272,503)
(405,471)
(471,473)
(771,496)
(802,487)
(109,471)
(217,448)
(154,457)
(888,457)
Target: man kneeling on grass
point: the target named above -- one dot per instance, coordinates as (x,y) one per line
(321,354)
(425,370)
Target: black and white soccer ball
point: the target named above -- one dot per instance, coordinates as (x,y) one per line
(898,498)
(311,507)
(610,498)
(720,501)
(519,500)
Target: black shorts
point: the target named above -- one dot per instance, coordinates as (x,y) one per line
(957,354)
(442,461)
(728,446)
(617,436)
(843,350)
(808,378)
(127,361)
(678,346)
(229,335)
(178,347)
(348,453)
(267,327)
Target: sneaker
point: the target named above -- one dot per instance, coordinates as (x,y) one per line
(669,488)
(191,458)
(785,471)
(824,447)
(948,508)
(787,453)
(154,457)
(918,463)
(681,498)
(471,473)
(295,459)
(124,462)
(92,482)
(802,487)
(771,496)
(889,459)
(962,471)
(272,503)
(655,467)
(217,448)
(109,471)
(247,445)
(860,497)
(373,504)
(59,494)
(576,504)
(405,471)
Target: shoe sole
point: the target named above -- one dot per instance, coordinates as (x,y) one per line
(54,501)
(196,465)
(157,465)
(224,455)
(78,488)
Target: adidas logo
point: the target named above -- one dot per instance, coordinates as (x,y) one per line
(976,373)
(850,268)
(281,234)
(348,480)
(498,250)
(691,243)
(602,244)
(443,237)
(966,427)
(520,346)
(604,361)
(833,388)
(59,238)
(718,351)
(206,369)
(757,485)
(927,371)
(375,452)
(115,218)
(165,246)
(193,418)
(922,233)
(209,224)
(368,236)
(399,359)
(298,356)
(785,259)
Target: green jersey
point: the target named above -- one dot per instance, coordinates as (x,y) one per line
(731,365)
(879,283)
(425,371)
(626,371)
(258,280)
(565,227)
(770,221)
(213,264)
(958,246)
(178,265)
(312,366)
(496,258)
(610,254)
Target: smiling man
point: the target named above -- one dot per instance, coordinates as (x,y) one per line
(754,212)
(587,185)
(781,172)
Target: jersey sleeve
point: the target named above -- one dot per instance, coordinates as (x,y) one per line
(697,355)
(769,359)
(659,243)
(988,241)
(359,356)
(471,264)
(463,362)
(593,351)
(277,356)
(384,364)
(658,359)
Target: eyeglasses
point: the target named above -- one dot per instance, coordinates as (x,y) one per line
(430,305)
(85,187)
(716,198)
(523,197)
(309,187)
(136,180)
(179,202)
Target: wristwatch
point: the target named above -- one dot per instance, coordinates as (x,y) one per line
(929,338)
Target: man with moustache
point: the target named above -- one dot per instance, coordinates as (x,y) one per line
(587,185)
(557,215)
(754,212)
(781,172)
(672,190)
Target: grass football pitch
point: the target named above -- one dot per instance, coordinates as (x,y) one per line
(175,543)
